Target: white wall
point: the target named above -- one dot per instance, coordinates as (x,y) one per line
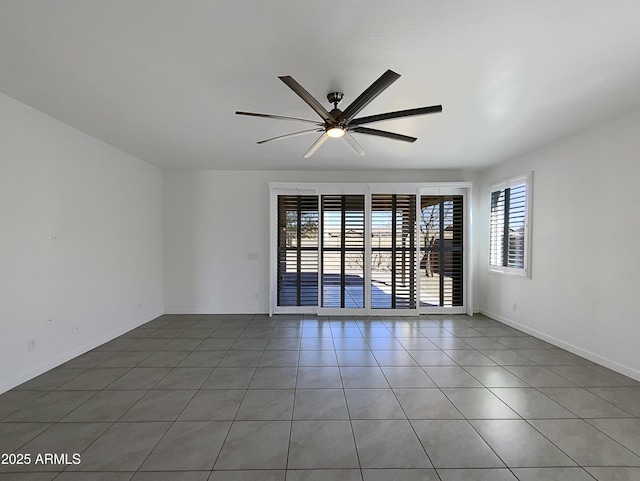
(584,290)
(215,219)
(80,242)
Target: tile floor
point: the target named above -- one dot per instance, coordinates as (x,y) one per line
(252,398)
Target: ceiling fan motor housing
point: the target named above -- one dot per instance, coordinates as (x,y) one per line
(335,98)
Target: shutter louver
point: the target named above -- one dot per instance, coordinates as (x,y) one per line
(393,250)
(343,251)
(297,250)
(441,248)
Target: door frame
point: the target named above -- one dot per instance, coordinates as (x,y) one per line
(367,189)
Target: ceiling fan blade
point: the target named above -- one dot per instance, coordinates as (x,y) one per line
(434,109)
(308,98)
(375,89)
(277,117)
(353,144)
(287,136)
(315,146)
(383,133)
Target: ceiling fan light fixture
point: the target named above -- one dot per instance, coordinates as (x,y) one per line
(335,132)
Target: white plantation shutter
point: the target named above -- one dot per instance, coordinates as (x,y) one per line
(509,226)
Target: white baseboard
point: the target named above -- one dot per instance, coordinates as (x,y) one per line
(597,358)
(205,312)
(8,384)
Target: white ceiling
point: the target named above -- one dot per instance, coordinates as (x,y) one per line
(161,79)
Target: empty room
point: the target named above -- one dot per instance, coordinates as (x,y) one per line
(438,281)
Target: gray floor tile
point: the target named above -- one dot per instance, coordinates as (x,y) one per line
(483,343)
(12,401)
(323,475)
(105,406)
(531,403)
(469,357)
(431,358)
(253,475)
(279,359)
(373,404)
(283,344)
(426,404)
(159,406)
(88,359)
(538,376)
(171,476)
(407,377)
(454,444)
(202,359)
(213,405)
(184,378)
(317,404)
(417,344)
(241,359)
(274,378)
(51,407)
(126,359)
(249,344)
(266,405)
(394,358)
(123,447)
(451,376)
(255,445)
(319,377)
(625,431)
(583,403)
(546,357)
(350,344)
(140,378)
(552,474)
(388,444)
(262,390)
(615,474)
(188,446)
(363,377)
(507,357)
(400,475)
(627,398)
(164,359)
(229,378)
(322,444)
(585,444)
(495,376)
(584,376)
(181,344)
(95,476)
(52,379)
(355,358)
(65,438)
(93,379)
(15,435)
(520,445)
(215,345)
(492,474)
(479,403)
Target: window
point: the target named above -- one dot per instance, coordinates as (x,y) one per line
(509,229)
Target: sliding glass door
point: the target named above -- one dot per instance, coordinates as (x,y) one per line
(380,252)
(393,251)
(441,251)
(342,251)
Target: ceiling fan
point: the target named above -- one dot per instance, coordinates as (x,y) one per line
(342,123)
